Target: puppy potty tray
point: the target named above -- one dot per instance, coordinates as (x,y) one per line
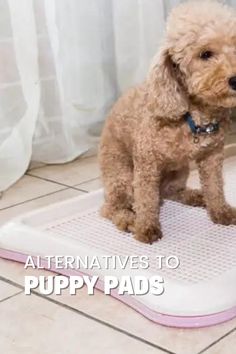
(200,292)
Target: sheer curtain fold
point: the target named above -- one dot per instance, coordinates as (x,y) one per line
(62,65)
(19,82)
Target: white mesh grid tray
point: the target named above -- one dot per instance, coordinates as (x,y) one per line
(204,284)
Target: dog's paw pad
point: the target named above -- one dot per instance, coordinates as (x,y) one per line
(148,234)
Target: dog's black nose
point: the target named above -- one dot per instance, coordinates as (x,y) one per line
(232,82)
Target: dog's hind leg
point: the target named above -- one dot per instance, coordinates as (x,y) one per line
(193,197)
(174,188)
(117,176)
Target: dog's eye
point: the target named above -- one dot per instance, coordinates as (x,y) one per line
(207,54)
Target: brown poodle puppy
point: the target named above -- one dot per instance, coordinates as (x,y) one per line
(179,114)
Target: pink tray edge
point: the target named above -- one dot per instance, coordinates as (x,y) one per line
(166,320)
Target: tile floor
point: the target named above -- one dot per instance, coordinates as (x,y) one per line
(87,324)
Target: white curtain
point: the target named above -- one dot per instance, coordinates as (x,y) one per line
(62,65)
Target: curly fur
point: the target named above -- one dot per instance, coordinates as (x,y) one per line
(146,146)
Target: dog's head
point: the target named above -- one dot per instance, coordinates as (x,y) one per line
(197,60)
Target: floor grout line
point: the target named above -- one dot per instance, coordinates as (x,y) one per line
(51,193)
(58,183)
(11,296)
(11,282)
(90,180)
(78,159)
(84,314)
(36,168)
(217,341)
(30,200)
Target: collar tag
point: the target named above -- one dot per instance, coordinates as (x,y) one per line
(206,129)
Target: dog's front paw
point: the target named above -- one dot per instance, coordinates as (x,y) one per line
(148,233)
(225,216)
(124,219)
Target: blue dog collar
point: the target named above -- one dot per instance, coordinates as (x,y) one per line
(206,129)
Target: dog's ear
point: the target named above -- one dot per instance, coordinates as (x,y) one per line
(166,97)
